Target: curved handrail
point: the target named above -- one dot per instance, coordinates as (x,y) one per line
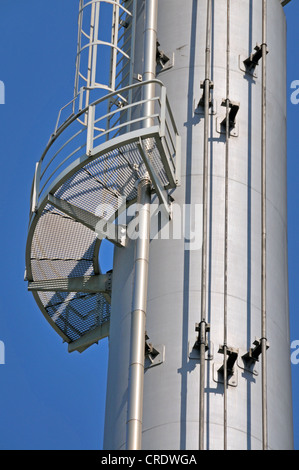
(73,118)
(163,117)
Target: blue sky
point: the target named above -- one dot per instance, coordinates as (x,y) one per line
(50,399)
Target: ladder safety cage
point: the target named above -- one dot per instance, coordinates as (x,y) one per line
(113,48)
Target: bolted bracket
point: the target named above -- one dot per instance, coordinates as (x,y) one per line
(154,355)
(201,102)
(203,329)
(164,61)
(233,111)
(194,352)
(253,60)
(232,355)
(232,380)
(252,356)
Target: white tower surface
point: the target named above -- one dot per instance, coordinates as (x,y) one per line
(183,139)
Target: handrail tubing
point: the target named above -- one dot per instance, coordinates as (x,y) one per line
(95,103)
(60,165)
(125,124)
(132,105)
(74,117)
(61,148)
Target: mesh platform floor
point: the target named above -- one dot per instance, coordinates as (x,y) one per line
(61,247)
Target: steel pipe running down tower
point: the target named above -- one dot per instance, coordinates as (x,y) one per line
(264,228)
(203,323)
(136,377)
(225,274)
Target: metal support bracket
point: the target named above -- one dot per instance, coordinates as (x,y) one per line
(154,355)
(232,355)
(233,123)
(201,102)
(104,229)
(253,60)
(164,61)
(194,352)
(160,191)
(203,329)
(90,338)
(232,380)
(252,356)
(194,348)
(234,109)
(101,283)
(137,77)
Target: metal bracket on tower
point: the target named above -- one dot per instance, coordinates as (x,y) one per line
(253,60)
(160,191)
(154,355)
(102,227)
(234,109)
(232,355)
(194,349)
(252,356)
(203,329)
(163,60)
(137,77)
(232,373)
(101,283)
(201,102)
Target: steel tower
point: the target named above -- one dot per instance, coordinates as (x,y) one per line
(174,149)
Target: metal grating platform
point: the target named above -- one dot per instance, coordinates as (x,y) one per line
(83,179)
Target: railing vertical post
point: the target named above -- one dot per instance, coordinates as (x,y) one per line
(90,129)
(163,112)
(36,185)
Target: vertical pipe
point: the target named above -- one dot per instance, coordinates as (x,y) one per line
(263,222)
(150,50)
(207,84)
(136,377)
(136,371)
(227,132)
